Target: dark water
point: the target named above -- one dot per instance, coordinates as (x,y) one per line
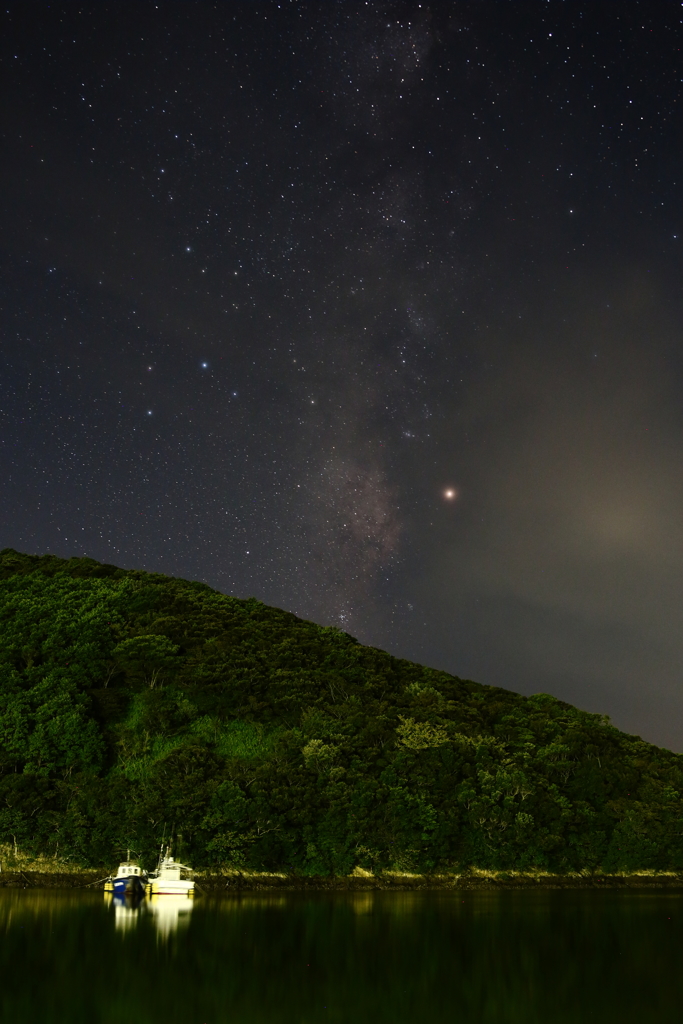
(468,958)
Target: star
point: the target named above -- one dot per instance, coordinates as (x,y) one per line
(357,242)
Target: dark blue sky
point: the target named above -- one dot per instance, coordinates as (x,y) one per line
(277,276)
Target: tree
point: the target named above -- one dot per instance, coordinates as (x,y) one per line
(152,655)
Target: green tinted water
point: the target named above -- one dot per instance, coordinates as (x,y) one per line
(468,958)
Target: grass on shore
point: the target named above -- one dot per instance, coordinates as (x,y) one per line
(12,859)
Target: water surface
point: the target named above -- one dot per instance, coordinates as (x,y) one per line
(465,958)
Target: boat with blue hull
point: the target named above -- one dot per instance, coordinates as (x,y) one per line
(129,880)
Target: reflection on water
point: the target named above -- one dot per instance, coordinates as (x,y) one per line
(126,912)
(168,912)
(370,958)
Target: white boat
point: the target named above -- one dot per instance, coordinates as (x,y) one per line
(171,878)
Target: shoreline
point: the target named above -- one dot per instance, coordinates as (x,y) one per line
(237,882)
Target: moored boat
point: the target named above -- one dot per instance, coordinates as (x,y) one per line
(129,880)
(171,878)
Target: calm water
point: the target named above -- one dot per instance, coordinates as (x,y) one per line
(466,958)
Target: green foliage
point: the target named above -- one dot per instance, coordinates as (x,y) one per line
(136,707)
(151,656)
(420,735)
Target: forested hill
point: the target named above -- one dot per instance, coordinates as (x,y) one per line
(135,706)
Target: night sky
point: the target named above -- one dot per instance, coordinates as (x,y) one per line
(373,311)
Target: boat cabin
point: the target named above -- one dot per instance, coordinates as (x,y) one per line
(129,868)
(172,870)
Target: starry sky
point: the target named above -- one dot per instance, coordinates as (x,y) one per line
(371,310)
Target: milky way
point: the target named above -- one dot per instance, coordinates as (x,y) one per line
(370,310)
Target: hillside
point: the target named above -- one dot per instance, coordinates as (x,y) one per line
(136,707)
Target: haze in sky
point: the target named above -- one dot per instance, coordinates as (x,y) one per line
(369,310)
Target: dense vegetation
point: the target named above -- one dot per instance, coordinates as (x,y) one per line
(136,707)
